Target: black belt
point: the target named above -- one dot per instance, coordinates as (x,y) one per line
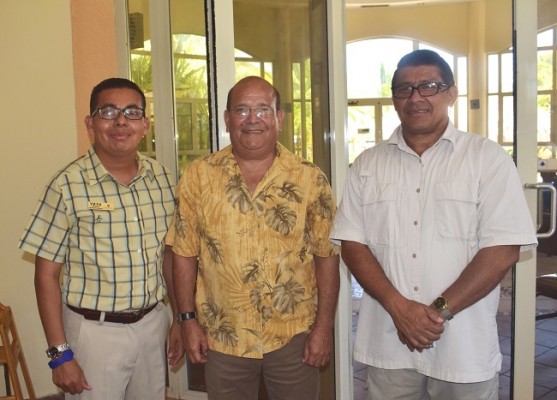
(119,318)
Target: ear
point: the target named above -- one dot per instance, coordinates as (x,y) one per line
(280,117)
(453,95)
(89,125)
(227,120)
(146,125)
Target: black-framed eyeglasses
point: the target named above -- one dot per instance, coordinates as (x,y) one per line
(110,112)
(260,112)
(426,89)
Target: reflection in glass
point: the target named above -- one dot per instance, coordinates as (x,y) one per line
(294,63)
(140,66)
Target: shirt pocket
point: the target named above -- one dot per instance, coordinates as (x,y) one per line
(379,205)
(93,228)
(457,210)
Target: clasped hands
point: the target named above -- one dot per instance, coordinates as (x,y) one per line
(418,325)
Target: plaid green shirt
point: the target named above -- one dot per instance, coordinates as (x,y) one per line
(108,235)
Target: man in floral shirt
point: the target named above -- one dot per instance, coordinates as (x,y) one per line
(255,275)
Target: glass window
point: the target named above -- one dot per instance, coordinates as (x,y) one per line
(369,76)
(499,82)
(371,116)
(507,72)
(294,62)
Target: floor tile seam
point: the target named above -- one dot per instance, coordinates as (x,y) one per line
(547,365)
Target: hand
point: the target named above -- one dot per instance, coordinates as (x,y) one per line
(195,341)
(175,344)
(418,325)
(70,378)
(318,347)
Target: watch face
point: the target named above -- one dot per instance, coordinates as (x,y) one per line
(440,303)
(52,352)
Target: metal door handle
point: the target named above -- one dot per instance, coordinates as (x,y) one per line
(540,187)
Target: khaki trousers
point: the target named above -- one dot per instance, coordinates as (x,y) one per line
(407,384)
(286,376)
(120,361)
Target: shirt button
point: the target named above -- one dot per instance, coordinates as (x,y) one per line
(416,289)
(418,190)
(139,250)
(136,219)
(414,255)
(415,222)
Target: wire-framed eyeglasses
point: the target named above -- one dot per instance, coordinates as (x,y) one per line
(426,89)
(111,112)
(260,112)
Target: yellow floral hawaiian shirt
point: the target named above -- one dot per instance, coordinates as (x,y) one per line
(256,286)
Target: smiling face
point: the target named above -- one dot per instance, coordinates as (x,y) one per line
(423,117)
(253,137)
(120,137)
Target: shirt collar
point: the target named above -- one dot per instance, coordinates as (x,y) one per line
(97,171)
(397,139)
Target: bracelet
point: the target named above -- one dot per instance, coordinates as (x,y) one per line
(186,316)
(66,356)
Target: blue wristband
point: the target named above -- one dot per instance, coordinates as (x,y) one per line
(66,356)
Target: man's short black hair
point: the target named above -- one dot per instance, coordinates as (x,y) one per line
(113,83)
(425,57)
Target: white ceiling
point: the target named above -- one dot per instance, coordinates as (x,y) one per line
(394,3)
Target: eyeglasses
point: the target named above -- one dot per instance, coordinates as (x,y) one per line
(260,112)
(425,90)
(114,112)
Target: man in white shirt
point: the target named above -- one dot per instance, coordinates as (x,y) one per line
(430,222)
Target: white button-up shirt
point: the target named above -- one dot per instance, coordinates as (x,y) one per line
(424,219)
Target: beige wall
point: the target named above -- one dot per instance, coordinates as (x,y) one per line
(38,135)
(40,131)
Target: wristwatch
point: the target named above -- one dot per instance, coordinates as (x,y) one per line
(186,316)
(442,306)
(55,352)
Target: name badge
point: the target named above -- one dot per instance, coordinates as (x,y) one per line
(97,205)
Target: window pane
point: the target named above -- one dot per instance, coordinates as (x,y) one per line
(544,118)
(545,38)
(508,121)
(369,76)
(462,76)
(140,66)
(545,69)
(493,73)
(507,72)
(493,118)
(295,64)
(190,94)
(361,130)
(462,109)
(189,51)
(389,121)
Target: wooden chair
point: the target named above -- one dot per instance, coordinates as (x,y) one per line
(546,285)
(11,354)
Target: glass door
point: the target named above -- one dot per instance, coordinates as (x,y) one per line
(370,121)
(534,372)
(187,54)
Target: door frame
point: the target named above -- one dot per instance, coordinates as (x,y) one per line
(524,294)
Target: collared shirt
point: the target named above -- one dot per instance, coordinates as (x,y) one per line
(256,285)
(424,219)
(110,236)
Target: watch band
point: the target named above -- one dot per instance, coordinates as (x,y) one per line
(446,313)
(186,316)
(65,357)
(441,304)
